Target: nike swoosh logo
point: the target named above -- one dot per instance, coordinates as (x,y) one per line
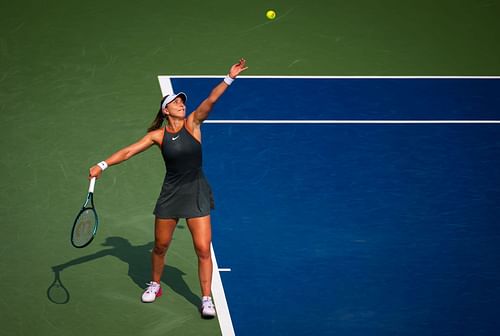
(177,137)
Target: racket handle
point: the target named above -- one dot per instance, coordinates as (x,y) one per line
(92,184)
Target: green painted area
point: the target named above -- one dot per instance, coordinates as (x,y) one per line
(78,80)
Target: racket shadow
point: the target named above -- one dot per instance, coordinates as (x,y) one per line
(57,292)
(139,260)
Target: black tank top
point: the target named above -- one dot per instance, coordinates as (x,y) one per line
(185,192)
(181,152)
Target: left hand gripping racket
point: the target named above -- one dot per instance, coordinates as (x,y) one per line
(86,222)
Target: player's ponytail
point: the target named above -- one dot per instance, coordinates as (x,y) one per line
(156,124)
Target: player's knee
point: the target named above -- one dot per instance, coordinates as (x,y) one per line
(203,251)
(160,248)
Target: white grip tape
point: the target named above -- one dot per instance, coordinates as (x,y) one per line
(92,184)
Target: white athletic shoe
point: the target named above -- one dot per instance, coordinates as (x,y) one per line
(207,307)
(152,292)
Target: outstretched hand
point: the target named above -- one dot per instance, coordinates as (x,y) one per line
(238,68)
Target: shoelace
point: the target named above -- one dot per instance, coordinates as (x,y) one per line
(208,304)
(152,287)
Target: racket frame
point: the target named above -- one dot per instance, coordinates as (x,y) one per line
(88,205)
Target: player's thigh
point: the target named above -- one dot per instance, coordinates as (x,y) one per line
(201,231)
(164,230)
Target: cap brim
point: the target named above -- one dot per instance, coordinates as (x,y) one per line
(171,98)
(182,95)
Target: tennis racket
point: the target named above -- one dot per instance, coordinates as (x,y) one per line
(86,222)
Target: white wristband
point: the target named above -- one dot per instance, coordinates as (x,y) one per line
(228,80)
(103,165)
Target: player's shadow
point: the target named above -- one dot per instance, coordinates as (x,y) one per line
(139,260)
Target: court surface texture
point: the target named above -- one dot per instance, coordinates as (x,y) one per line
(354,166)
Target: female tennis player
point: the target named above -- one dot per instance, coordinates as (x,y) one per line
(185,192)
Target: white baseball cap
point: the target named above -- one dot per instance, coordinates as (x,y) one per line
(170,98)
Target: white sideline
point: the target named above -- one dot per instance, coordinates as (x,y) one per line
(225,322)
(223,314)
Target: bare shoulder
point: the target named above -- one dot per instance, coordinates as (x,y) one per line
(193,127)
(191,121)
(156,136)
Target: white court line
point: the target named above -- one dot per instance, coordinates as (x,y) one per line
(225,322)
(223,315)
(165,85)
(336,77)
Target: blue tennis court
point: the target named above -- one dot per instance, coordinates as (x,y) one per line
(356,229)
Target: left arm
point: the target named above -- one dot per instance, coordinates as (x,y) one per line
(201,113)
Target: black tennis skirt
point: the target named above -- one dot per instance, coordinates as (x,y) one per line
(185,195)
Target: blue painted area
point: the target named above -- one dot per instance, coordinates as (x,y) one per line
(356,229)
(435,99)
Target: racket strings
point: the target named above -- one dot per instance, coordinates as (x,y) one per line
(84,227)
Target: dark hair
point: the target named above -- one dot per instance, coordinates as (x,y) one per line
(156,124)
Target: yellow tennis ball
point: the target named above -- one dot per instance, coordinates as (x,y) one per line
(270,14)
